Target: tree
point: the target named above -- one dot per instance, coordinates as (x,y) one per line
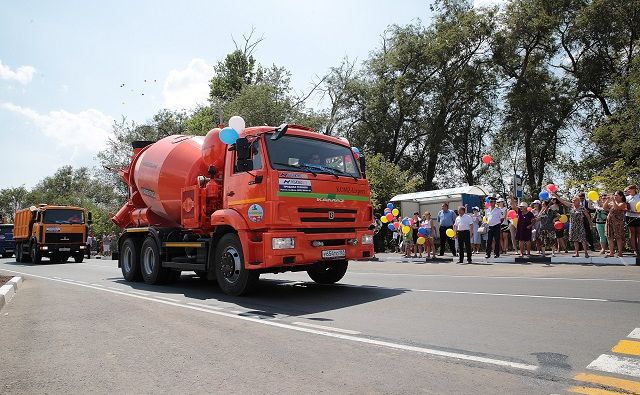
(386,180)
(12,200)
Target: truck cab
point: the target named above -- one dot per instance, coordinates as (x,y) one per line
(7,244)
(56,232)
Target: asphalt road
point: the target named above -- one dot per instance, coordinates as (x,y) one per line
(386,328)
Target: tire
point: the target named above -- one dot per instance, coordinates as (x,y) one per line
(78,258)
(328,272)
(130,260)
(7,255)
(36,258)
(231,274)
(150,263)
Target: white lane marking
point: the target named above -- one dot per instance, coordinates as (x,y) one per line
(397,346)
(206,306)
(139,293)
(616,364)
(495,277)
(509,295)
(57,278)
(236,312)
(97,285)
(80,282)
(328,328)
(635,334)
(165,298)
(115,289)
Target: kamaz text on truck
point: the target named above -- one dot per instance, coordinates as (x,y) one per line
(278,199)
(56,232)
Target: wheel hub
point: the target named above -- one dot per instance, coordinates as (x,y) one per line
(230,265)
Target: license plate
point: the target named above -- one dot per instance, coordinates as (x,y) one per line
(328,254)
(8,250)
(64,249)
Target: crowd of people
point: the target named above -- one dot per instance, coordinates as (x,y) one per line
(554,225)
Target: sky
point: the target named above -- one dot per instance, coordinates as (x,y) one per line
(68,69)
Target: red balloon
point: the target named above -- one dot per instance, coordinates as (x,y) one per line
(512,214)
(487,204)
(486,159)
(552,188)
(389,217)
(558,225)
(529,209)
(396,225)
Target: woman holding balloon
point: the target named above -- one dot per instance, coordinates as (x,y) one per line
(426,230)
(615,222)
(577,230)
(546,232)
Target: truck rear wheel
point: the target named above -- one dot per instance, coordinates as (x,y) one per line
(151,265)
(231,274)
(78,258)
(328,272)
(36,258)
(7,254)
(129,260)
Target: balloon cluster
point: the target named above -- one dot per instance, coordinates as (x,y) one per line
(230,134)
(356,152)
(545,193)
(405,224)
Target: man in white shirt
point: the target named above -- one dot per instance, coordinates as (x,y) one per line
(463,227)
(494,221)
(632,217)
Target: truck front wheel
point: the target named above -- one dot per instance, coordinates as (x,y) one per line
(328,272)
(36,258)
(231,274)
(129,260)
(79,257)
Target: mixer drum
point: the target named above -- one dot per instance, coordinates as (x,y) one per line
(164,168)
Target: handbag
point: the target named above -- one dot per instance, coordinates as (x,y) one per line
(482,230)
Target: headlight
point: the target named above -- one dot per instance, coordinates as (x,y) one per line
(367,239)
(282,243)
(82,247)
(44,248)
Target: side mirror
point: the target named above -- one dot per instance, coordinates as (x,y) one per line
(280,131)
(211,171)
(89,218)
(363,166)
(243,149)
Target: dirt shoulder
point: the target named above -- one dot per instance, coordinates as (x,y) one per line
(4,279)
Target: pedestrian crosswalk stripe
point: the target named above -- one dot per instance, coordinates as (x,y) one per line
(635,334)
(592,391)
(629,347)
(616,364)
(627,385)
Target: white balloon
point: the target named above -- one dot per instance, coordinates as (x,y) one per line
(237,123)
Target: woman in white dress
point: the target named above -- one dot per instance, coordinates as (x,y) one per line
(477,221)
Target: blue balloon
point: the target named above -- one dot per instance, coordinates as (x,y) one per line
(422,231)
(487,199)
(544,195)
(390,226)
(390,206)
(566,225)
(356,150)
(387,210)
(228,135)
(405,222)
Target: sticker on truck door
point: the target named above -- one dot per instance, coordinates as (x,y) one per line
(294,185)
(255,213)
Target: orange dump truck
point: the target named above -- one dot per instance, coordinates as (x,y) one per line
(278,199)
(57,232)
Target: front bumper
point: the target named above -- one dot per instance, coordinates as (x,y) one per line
(304,253)
(71,249)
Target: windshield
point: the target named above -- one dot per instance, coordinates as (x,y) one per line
(6,229)
(312,156)
(63,217)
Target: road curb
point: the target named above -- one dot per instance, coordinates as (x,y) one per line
(8,290)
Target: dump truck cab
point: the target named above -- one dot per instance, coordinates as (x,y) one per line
(56,232)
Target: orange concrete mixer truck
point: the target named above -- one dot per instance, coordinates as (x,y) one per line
(241,202)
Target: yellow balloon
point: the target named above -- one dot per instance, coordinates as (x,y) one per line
(421,240)
(638,206)
(514,221)
(406,229)
(564,219)
(395,212)
(450,232)
(593,196)
(485,219)
(384,219)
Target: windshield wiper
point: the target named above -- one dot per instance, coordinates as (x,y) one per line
(344,173)
(304,167)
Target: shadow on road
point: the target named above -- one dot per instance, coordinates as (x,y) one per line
(273,297)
